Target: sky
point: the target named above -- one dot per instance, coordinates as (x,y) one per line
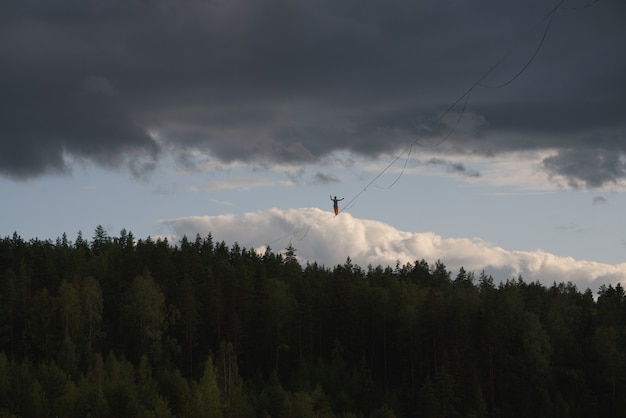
(488,135)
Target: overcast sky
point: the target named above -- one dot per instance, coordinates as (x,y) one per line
(496,126)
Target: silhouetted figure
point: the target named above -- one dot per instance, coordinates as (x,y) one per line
(335,204)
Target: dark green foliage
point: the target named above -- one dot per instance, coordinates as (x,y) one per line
(142,328)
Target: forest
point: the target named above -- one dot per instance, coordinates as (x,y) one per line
(116,326)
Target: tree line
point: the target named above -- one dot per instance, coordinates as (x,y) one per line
(126,327)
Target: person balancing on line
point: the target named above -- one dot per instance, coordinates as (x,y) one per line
(335,204)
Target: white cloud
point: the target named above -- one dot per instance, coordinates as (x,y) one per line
(320,236)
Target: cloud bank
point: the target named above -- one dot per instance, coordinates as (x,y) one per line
(290,81)
(320,237)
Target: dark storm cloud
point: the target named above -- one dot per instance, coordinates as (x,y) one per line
(293,81)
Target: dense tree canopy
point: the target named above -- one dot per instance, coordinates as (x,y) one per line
(144,328)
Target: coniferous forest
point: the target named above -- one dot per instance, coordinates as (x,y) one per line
(126,327)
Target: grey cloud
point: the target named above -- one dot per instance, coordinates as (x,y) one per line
(453,167)
(586,168)
(141,169)
(293,81)
(322,178)
(295,174)
(599,200)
